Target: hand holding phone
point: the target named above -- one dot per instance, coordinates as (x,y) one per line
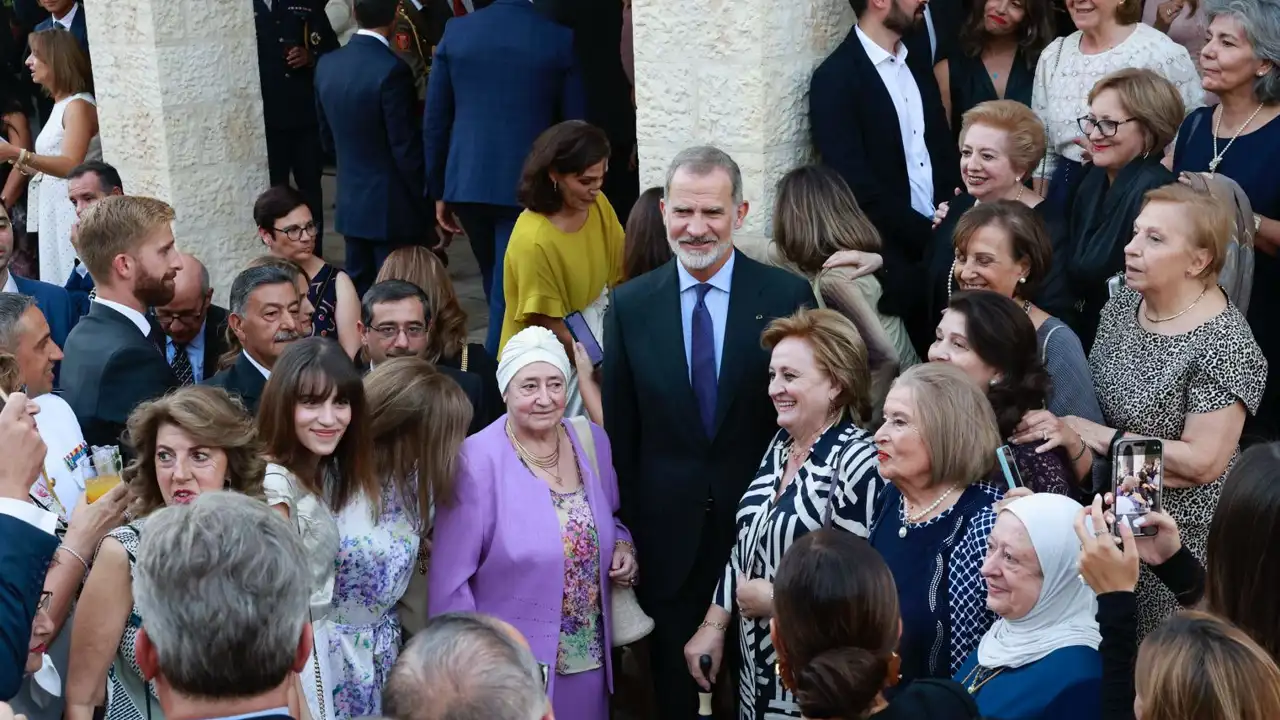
(1137,483)
(581,332)
(1105,564)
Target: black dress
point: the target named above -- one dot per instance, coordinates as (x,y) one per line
(971,84)
(323,294)
(481,364)
(933,699)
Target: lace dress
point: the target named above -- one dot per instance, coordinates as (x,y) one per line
(49,211)
(129,697)
(376,557)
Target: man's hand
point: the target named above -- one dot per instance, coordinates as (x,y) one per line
(297,57)
(23,448)
(446,218)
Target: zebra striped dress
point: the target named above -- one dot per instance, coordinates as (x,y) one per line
(843,468)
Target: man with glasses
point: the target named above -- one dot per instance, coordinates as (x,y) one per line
(195,329)
(394,322)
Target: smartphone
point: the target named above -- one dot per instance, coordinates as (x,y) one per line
(1137,482)
(1009,466)
(582,333)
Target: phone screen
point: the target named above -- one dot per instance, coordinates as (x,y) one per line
(1137,482)
(1009,466)
(582,333)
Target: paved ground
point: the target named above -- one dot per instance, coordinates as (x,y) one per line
(462,267)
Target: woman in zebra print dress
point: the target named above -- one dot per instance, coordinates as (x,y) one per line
(820,470)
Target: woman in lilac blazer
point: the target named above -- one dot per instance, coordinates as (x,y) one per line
(530,536)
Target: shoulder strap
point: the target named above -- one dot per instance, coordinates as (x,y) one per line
(582,428)
(1044,349)
(463,364)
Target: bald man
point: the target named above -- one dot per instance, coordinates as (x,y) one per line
(195,328)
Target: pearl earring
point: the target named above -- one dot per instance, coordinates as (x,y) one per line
(1022,281)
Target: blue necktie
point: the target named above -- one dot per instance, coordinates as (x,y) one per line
(703,355)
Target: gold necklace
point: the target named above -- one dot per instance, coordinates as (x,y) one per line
(1147,314)
(975,686)
(1217,123)
(902,531)
(798,454)
(545,461)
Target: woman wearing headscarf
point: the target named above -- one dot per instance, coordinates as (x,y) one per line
(1040,659)
(530,534)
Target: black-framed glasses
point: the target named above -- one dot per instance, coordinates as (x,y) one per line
(1108,128)
(391,330)
(294,232)
(186,318)
(46,598)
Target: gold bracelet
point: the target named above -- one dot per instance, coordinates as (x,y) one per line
(713,624)
(24,157)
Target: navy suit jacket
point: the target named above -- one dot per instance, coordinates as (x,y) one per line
(365,100)
(79,286)
(55,303)
(78,29)
(25,552)
(241,380)
(500,77)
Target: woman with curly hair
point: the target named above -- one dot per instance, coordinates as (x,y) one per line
(195,440)
(988,336)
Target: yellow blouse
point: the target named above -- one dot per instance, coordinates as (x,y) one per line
(550,272)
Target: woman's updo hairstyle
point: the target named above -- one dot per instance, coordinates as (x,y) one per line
(835,624)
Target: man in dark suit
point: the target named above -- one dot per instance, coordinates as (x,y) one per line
(113,355)
(87,184)
(366,99)
(292,34)
(195,329)
(27,539)
(224,583)
(878,120)
(394,323)
(265,305)
(686,402)
(68,15)
(501,76)
(53,301)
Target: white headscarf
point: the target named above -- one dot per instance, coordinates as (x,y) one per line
(529,346)
(1065,613)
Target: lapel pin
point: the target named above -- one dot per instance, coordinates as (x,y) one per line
(759,317)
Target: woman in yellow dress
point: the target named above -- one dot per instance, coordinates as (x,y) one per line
(567,246)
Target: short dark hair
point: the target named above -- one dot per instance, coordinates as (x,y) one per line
(1003,336)
(568,148)
(375,13)
(646,245)
(275,203)
(108,176)
(1028,238)
(253,278)
(389,291)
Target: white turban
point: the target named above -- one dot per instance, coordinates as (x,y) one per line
(530,345)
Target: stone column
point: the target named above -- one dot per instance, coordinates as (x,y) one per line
(734,74)
(180,110)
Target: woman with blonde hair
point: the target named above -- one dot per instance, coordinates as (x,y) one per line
(819,471)
(1197,666)
(418,419)
(69,137)
(816,216)
(937,445)
(195,440)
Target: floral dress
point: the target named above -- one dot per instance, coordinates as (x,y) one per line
(581,631)
(375,562)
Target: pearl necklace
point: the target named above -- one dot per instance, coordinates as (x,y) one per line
(902,531)
(1217,156)
(1147,314)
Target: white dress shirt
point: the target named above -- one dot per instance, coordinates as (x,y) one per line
(717,302)
(137,318)
(265,372)
(901,84)
(373,34)
(194,350)
(9,285)
(30,514)
(66,20)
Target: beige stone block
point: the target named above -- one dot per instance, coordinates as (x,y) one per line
(732,107)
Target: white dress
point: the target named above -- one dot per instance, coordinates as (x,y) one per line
(1064,77)
(319,531)
(49,212)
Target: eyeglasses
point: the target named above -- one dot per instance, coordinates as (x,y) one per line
(1108,128)
(46,598)
(389,332)
(186,318)
(294,232)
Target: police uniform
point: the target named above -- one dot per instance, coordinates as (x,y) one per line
(417,30)
(288,94)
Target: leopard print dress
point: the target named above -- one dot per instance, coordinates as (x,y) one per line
(1148,383)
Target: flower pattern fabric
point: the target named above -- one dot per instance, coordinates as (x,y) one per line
(375,562)
(581,631)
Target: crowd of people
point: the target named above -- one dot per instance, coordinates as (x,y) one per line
(983,435)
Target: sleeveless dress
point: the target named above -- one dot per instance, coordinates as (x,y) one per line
(376,558)
(323,294)
(49,212)
(129,697)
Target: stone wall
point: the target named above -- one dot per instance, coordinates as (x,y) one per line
(180,110)
(734,74)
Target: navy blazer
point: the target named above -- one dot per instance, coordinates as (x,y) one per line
(79,287)
(855,131)
(55,303)
(366,100)
(25,553)
(500,77)
(78,29)
(241,380)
